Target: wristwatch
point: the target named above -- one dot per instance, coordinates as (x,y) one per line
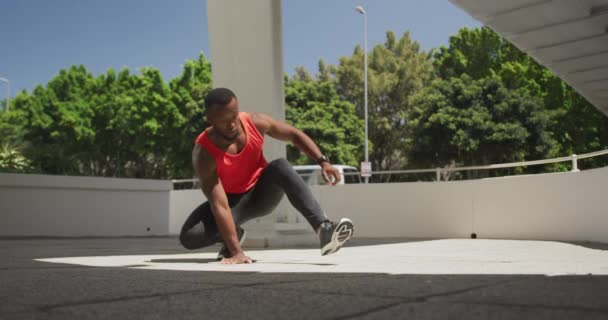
(322,159)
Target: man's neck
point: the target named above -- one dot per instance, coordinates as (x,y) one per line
(220,141)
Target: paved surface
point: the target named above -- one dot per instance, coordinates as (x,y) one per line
(440,279)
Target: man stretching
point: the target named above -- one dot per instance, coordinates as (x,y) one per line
(241,185)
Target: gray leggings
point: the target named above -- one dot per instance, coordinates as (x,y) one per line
(277,179)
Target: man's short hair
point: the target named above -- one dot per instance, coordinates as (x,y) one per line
(218,97)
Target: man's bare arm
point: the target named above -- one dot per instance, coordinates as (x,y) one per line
(205,168)
(285,132)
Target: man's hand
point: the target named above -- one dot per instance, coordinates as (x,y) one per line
(329,171)
(237,259)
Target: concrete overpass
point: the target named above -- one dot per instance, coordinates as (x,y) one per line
(568,37)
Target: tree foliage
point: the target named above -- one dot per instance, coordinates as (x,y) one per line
(313,106)
(478,100)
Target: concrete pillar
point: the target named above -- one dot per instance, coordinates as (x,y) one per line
(247,56)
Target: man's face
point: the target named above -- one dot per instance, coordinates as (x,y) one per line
(225,120)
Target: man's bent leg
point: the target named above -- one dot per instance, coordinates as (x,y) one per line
(200,229)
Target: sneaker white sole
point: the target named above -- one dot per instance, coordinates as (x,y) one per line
(343,232)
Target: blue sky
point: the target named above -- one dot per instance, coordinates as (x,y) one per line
(40,37)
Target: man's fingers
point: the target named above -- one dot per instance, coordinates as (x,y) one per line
(336,177)
(235,261)
(326,177)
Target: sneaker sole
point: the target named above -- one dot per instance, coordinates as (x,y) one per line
(220,256)
(343,232)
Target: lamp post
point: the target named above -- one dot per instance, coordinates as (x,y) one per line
(362,11)
(8,92)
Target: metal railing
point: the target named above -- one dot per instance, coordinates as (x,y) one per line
(439,171)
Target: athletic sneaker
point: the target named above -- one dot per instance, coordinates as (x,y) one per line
(224,252)
(334,235)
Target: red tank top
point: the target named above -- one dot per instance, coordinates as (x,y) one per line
(238,172)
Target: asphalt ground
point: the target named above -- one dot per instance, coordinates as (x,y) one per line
(153,278)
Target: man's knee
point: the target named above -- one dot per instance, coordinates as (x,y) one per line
(280,164)
(189,241)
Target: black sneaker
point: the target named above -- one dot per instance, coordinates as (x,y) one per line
(224,252)
(334,235)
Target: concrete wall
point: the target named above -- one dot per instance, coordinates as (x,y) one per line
(41,205)
(183,202)
(561,206)
(414,210)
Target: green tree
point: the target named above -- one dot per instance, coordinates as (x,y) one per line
(478,52)
(189,91)
(476,122)
(11,127)
(313,106)
(397,70)
(147,121)
(109,126)
(575,124)
(117,124)
(12,159)
(57,121)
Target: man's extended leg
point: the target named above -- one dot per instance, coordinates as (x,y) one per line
(280,178)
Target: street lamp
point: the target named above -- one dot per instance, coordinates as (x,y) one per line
(367,164)
(8,92)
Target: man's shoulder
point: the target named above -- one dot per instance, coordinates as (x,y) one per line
(201,155)
(260,120)
(255,116)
